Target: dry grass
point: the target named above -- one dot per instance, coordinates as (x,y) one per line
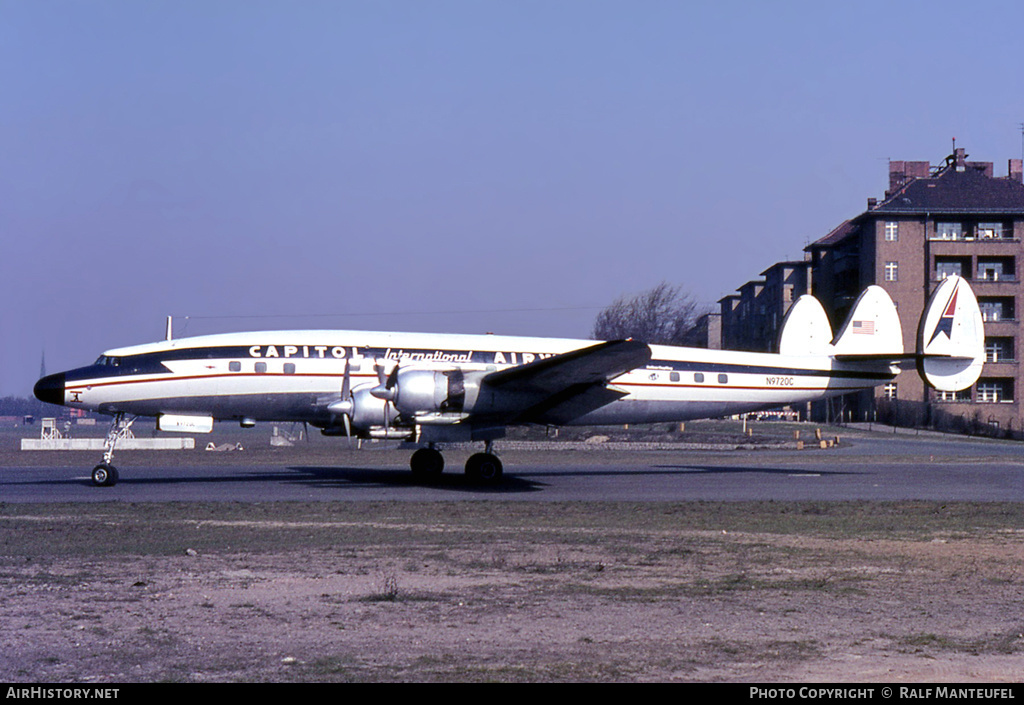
(511,591)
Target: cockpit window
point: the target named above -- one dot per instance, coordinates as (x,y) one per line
(105,361)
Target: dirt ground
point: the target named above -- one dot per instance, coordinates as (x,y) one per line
(512,592)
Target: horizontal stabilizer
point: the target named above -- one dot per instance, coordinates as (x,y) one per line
(951,337)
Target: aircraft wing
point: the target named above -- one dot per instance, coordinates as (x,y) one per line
(559,388)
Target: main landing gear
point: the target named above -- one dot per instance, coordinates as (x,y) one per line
(105,474)
(428,463)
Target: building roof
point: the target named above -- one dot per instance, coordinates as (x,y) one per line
(792,264)
(953,190)
(837,235)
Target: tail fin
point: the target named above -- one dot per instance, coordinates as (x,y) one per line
(951,337)
(872,328)
(805,329)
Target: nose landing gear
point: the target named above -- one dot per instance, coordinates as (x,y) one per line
(105,474)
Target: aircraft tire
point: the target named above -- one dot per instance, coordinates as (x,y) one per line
(484,467)
(427,463)
(104,475)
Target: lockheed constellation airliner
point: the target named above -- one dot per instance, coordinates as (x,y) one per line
(437,389)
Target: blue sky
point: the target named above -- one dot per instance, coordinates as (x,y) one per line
(464,166)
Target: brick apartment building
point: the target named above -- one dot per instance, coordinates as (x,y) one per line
(951,218)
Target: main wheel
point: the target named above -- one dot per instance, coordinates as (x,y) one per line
(104,475)
(427,463)
(484,467)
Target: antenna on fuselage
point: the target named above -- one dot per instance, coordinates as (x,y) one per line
(169,326)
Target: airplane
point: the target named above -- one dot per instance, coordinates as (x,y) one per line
(434,389)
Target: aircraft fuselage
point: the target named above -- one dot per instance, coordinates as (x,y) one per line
(294,376)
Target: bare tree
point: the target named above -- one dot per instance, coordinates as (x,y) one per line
(664,314)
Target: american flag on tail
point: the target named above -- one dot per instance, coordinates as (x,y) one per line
(864,327)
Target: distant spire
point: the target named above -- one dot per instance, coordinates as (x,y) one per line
(42,365)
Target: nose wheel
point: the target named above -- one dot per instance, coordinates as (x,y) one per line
(104,475)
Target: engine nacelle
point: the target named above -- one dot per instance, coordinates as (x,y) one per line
(363,409)
(368,410)
(430,391)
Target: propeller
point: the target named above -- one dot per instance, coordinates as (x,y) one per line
(387,384)
(345,407)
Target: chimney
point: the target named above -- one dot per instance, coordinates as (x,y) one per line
(1017,170)
(872,203)
(897,177)
(902,173)
(960,158)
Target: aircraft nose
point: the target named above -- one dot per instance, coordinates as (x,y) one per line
(50,389)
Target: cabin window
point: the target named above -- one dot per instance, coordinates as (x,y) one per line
(698,377)
(289,368)
(673,376)
(235,366)
(261,368)
(723,379)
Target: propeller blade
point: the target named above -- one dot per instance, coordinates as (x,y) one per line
(346,382)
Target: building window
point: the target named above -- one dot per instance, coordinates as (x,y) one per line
(889,390)
(998,349)
(964,395)
(990,231)
(948,269)
(994,270)
(892,231)
(892,271)
(949,231)
(995,390)
(996,309)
